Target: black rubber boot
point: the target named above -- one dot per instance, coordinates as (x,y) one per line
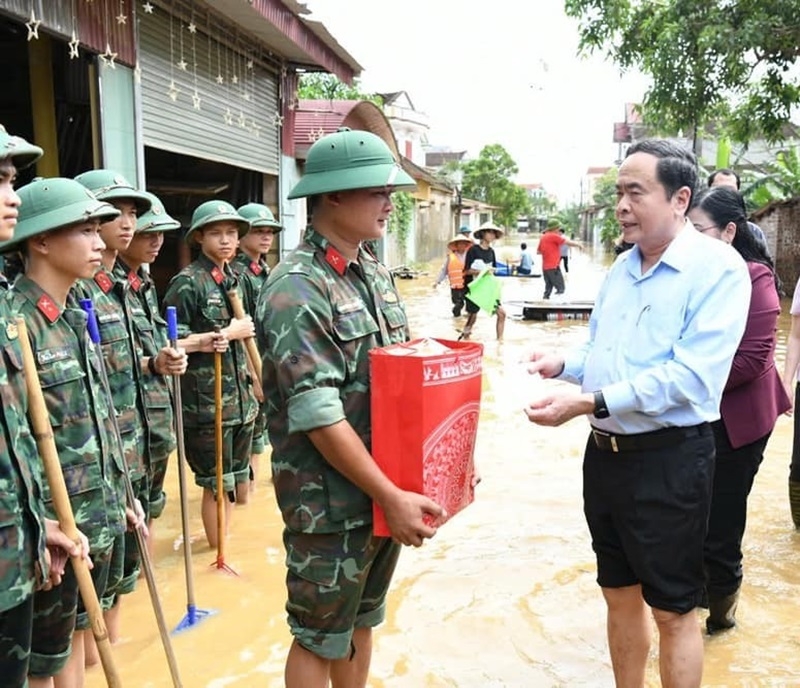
(794,501)
(721,613)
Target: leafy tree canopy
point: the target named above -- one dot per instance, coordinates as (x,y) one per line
(324,86)
(488,179)
(710,60)
(605,198)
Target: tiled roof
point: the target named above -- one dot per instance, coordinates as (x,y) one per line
(315,118)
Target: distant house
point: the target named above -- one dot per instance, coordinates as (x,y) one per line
(433,217)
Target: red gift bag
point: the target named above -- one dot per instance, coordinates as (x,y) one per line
(425,402)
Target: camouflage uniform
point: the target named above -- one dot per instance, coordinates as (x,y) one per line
(199,294)
(316,321)
(252,276)
(122,362)
(22,545)
(79,411)
(150,336)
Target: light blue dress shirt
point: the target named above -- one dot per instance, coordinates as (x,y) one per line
(661,343)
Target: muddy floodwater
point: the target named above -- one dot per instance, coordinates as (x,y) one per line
(505,594)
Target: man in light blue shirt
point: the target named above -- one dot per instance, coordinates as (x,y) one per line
(666,324)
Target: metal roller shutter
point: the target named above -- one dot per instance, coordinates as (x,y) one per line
(248,137)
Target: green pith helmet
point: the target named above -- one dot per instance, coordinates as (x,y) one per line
(216,211)
(22,153)
(109,186)
(156,219)
(48,204)
(259,215)
(347,160)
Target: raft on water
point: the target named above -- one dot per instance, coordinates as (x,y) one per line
(552,309)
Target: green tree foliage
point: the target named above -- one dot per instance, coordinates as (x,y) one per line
(488,179)
(400,220)
(605,199)
(324,86)
(710,60)
(542,206)
(779,180)
(569,218)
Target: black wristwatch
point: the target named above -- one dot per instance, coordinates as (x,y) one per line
(600,408)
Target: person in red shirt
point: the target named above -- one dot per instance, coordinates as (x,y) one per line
(550,250)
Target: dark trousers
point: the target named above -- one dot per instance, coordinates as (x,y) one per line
(553,279)
(457,297)
(733,479)
(565,259)
(794,470)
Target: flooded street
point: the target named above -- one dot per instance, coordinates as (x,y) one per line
(505,594)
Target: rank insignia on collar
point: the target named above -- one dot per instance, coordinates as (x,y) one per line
(103,281)
(48,308)
(255,268)
(134,280)
(11,330)
(336,260)
(216,273)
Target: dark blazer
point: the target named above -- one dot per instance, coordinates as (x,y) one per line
(754,395)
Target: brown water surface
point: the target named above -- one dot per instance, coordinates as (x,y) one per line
(505,594)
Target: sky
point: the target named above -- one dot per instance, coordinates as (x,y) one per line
(502,71)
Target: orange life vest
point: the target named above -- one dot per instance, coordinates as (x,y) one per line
(455,271)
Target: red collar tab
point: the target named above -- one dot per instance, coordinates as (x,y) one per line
(216,273)
(48,308)
(255,268)
(336,260)
(103,281)
(134,280)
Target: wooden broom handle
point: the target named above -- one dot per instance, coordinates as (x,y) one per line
(253,357)
(43,432)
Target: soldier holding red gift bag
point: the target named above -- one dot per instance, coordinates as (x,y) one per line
(324,307)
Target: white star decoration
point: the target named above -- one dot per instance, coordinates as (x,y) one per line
(196,100)
(246,96)
(108,57)
(249,64)
(33,26)
(277,120)
(182,65)
(242,120)
(220,79)
(192,28)
(73,47)
(228,117)
(315,135)
(122,19)
(148,8)
(173,91)
(235,79)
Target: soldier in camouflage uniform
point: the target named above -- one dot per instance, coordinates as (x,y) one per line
(251,267)
(123,359)
(324,307)
(199,293)
(151,337)
(24,531)
(58,232)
